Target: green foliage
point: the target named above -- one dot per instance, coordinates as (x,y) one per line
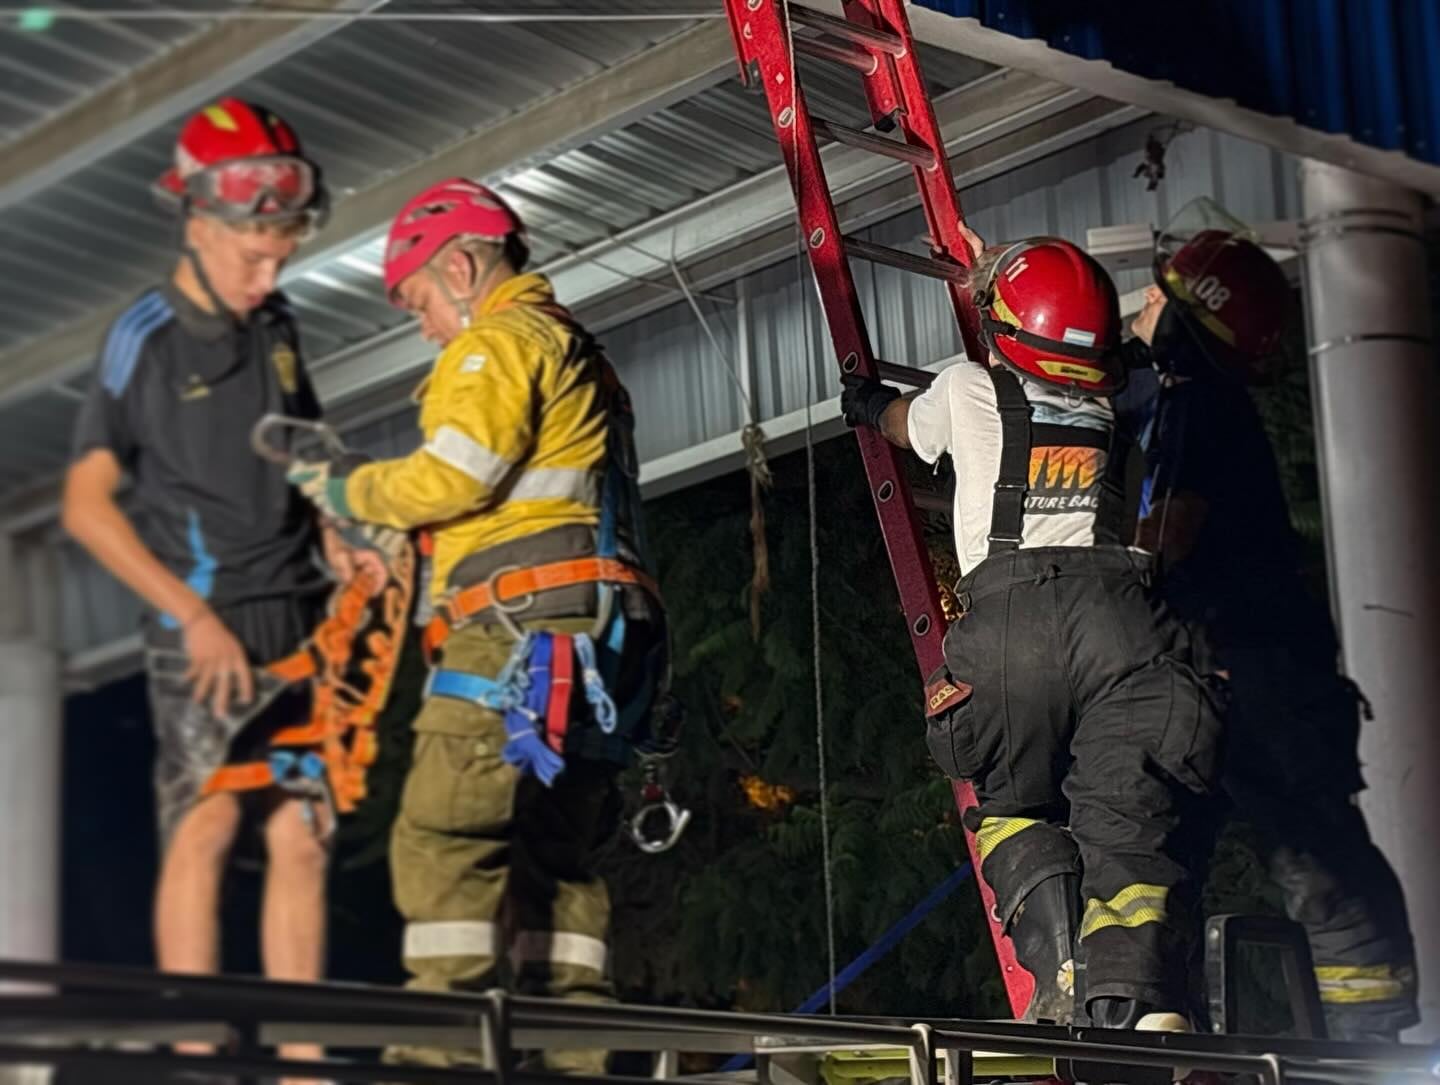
(735,916)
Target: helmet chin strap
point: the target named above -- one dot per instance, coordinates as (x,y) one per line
(480,275)
(198,266)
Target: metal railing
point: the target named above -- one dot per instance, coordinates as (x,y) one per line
(64,1015)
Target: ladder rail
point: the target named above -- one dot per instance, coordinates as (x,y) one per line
(896,92)
(904,82)
(938,197)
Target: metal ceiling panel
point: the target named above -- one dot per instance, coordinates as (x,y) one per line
(45,71)
(356,95)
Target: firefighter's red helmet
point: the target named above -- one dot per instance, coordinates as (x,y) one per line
(240,162)
(1232,294)
(437,216)
(1050,312)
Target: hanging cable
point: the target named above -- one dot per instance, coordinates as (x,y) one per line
(752,439)
(812,392)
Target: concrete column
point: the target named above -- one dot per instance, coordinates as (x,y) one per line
(30,760)
(30,734)
(1377,413)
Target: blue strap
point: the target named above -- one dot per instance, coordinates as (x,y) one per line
(614,648)
(615,639)
(475,688)
(883,945)
(521,691)
(595,692)
(608,537)
(524,748)
(285,763)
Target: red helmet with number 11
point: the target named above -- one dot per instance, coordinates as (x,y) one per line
(1050,312)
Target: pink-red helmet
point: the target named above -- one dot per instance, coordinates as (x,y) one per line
(443,212)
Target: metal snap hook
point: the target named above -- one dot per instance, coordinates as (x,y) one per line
(676,820)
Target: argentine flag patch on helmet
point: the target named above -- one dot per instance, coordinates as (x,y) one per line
(1078,337)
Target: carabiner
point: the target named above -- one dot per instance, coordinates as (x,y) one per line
(675,821)
(334,446)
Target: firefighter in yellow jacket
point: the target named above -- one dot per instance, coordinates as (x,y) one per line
(548,644)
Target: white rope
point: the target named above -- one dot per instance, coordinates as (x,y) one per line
(746,404)
(815,640)
(812,391)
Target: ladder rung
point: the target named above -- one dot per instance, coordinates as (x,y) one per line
(928,499)
(905,261)
(904,374)
(865,141)
(840,52)
(869,37)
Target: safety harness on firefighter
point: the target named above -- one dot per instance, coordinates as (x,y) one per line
(552,680)
(1018,437)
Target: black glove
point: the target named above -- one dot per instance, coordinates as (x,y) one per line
(864,400)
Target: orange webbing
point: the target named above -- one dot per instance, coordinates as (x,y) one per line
(248,777)
(522,582)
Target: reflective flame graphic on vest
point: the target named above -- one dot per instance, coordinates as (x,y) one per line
(1059,467)
(1064,478)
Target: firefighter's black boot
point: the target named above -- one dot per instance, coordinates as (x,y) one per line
(1044,931)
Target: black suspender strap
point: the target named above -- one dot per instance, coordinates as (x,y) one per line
(1110,516)
(1007,514)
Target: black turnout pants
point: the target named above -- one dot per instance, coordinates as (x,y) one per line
(1293,770)
(1091,740)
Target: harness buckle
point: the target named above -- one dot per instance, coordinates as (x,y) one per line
(994,538)
(504,610)
(1003,485)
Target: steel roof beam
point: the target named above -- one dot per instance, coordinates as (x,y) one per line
(998,123)
(652,80)
(153,94)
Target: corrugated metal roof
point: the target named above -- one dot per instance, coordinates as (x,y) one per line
(45,71)
(656,164)
(1369,69)
(97,237)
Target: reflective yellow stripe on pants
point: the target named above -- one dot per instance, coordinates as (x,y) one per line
(1133,906)
(1352,984)
(995,831)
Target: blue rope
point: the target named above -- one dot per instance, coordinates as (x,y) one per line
(882,946)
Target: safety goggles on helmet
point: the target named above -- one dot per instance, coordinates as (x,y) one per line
(254,189)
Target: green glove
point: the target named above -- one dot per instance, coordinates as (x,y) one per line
(317,483)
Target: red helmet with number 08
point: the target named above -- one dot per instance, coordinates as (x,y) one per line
(1233,296)
(1050,312)
(240,163)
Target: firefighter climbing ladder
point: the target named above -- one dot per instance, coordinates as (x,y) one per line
(874,39)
